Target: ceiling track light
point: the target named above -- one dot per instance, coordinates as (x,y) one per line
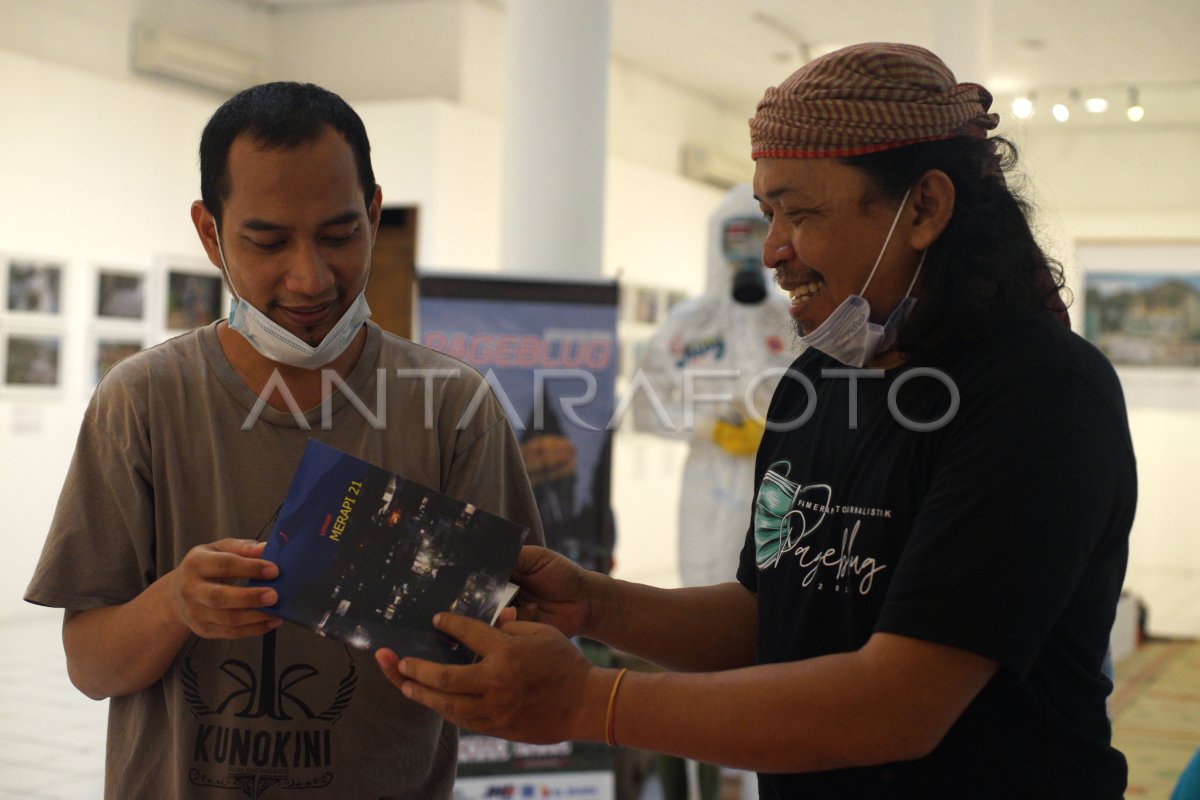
(1098,99)
(1023,107)
(1062,111)
(1134,112)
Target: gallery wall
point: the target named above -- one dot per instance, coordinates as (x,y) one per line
(101,172)
(98,169)
(1121,200)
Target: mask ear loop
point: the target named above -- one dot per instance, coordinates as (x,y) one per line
(887,241)
(913,282)
(224,267)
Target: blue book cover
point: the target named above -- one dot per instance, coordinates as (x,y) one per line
(368,557)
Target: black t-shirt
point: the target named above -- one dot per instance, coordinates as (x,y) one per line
(984,503)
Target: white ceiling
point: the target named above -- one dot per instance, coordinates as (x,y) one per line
(730,50)
(724,45)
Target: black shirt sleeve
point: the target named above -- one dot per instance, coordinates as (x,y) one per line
(1024,524)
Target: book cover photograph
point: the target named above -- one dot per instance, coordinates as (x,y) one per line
(368,557)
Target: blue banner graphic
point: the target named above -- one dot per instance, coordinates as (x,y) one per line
(549,351)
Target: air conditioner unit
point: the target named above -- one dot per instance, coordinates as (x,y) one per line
(716,169)
(170,53)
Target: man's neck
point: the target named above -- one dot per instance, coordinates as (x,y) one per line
(307,388)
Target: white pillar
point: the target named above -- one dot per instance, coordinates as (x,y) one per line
(962,36)
(555,119)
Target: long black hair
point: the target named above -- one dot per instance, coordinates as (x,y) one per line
(986,268)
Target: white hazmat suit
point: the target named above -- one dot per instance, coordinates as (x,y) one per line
(714,346)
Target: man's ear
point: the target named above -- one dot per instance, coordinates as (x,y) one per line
(206,229)
(933,200)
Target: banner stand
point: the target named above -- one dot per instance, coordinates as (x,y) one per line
(548,350)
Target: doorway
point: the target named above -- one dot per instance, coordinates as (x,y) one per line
(393,266)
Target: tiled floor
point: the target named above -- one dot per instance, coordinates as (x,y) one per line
(52,737)
(1156,715)
(1171,597)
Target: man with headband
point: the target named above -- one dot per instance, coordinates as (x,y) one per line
(187,449)
(944,495)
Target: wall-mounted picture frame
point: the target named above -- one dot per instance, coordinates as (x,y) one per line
(646,305)
(1137,302)
(1144,319)
(1141,304)
(33,286)
(32,360)
(120,294)
(193,298)
(110,350)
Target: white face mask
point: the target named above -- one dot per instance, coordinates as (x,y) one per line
(278,344)
(848,334)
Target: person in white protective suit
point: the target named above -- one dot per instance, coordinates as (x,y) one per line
(726,347)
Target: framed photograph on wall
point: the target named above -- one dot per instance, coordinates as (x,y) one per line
(646,305)
(33,286)
(1144,319)
(32,360)
(1141,308)
(120,294)
(193,297)
(110,350)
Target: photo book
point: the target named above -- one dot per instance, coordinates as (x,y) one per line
(368,557)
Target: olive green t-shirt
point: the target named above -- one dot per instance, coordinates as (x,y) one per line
(175,451)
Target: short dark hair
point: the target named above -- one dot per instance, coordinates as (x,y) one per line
(278,116)
(986,267)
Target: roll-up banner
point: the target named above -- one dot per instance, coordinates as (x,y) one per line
(548,350)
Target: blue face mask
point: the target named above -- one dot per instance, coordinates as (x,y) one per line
(274,342)
(847,334)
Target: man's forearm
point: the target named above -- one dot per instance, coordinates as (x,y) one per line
(892,700)
(696,629)
(118,650)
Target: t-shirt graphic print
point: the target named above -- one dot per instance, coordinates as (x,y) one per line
(787,514)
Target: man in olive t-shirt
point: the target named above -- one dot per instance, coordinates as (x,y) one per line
(186,450)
